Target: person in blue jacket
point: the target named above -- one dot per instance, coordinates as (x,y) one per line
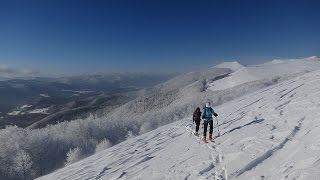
(207,116)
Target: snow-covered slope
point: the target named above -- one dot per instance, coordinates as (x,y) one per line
(269,70)
(176,98)
(273,133)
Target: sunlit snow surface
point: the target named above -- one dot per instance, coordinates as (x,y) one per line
(273,133)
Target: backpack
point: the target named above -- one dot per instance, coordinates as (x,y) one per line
(207,112)
(196,115)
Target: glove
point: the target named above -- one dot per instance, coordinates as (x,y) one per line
(215,114)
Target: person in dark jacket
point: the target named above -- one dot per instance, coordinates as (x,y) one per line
(207,117)
(197,119)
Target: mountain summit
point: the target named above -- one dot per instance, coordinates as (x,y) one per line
(234,65)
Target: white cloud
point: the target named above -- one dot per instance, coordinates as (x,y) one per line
(30,72)
(6,69)
(9,72)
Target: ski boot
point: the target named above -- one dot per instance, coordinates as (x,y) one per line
(210,138)
(204,139)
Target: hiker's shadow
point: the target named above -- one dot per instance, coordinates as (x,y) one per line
(255,121)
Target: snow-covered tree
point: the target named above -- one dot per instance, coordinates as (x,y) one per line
(74,155)
(104,144)
(23,163)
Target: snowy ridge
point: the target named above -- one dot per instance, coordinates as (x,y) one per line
(269,70)
(272,133)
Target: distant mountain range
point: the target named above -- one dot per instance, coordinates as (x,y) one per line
(68,98)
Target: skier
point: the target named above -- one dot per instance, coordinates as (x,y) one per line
(207,117)
(197,119)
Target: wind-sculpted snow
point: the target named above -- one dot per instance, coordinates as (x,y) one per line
(262,144)
(269,153)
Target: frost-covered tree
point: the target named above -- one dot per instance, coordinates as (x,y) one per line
(74,155)
(9,146)
(23,163)
(104,144)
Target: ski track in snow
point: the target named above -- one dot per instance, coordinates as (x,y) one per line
(269,134)
(215,156)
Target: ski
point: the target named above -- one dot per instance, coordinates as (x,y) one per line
(195,134)
(207,141)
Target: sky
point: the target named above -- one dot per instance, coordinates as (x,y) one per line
(64,37)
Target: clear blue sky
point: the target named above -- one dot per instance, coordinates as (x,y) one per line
(63,36)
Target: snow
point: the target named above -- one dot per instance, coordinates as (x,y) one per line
(317,58)
(272,133)
(20,110)
(234,65)
(23,110)
(44,95)
(25,106)
(39,111)
(269,70)
(14,113)
(277,61)
(79,92)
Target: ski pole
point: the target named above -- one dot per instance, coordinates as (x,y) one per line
(218,126)
(193,126)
